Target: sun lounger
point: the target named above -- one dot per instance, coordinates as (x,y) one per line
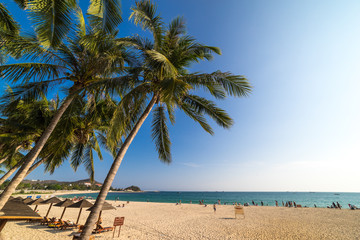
(101,229)
(45,221)
(56,224)
(68,225)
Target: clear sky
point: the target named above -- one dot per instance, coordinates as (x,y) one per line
(300,128)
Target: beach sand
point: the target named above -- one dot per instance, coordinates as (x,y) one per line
(192,221)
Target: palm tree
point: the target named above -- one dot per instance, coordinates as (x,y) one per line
(164,78)
(21,126)
(88,55)
(76,135)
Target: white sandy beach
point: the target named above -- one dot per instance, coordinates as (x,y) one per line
(192,221)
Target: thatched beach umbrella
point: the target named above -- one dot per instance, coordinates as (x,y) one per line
(15,210)
(36,202)
(81,204)
(65,204)
(106,206)
(19,198)
(51,201)
(27,200)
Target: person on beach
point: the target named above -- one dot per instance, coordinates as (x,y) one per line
(253,203)
(262,204)
(315,206)
(276,203)
(214,206)
(338,205)
(283,203)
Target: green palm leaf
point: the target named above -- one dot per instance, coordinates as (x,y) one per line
(7,23)
(52,19)
(144,14)
(202,105)
(27,72)
(196,116)
(160,134)
(104,14)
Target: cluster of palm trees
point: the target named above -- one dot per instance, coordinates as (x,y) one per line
(108,85)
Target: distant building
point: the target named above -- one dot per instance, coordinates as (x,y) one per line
(87,184)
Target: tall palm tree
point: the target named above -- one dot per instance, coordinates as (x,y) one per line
(165,79)
(88,55)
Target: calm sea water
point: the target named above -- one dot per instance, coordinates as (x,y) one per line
(321,199)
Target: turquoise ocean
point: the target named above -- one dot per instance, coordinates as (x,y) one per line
(321,199)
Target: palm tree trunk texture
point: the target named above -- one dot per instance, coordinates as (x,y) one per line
(34,153)
(85,234)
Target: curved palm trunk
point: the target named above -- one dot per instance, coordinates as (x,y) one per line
(10,172)
(85,234)
(34,153)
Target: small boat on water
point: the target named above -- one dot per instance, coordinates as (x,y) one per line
(336,193)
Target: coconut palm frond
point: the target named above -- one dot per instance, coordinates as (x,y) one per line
(7,23)
(197,117)
(202,105)
(144,14)
(27,72)
(52,19)
(160,134)
(104,15)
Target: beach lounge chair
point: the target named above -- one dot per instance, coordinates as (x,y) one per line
(68,225)
(38,196)
(45,221)
(101,229)
(56,224)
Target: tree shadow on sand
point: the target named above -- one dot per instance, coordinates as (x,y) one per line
(45,228)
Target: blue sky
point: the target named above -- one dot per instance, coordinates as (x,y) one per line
(298,131)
